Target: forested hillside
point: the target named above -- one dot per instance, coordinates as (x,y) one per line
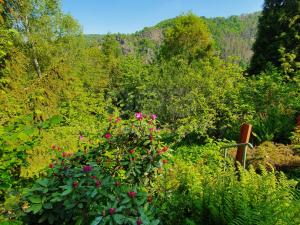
(233,36)
(131,129)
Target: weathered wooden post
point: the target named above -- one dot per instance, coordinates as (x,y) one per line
(246,130)
(298,121)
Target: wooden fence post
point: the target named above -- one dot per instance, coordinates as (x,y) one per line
(246,130)
(298,121)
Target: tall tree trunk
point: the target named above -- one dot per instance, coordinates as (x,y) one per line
(33,51)
(36,66)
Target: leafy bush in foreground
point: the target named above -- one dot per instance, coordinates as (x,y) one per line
(102,184)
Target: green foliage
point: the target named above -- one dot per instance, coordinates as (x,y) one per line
(274,103)
(16,139)
(70,84)
(188,36)
(278,37)
(200,98)
(234,36)
(274,155)
(295,139)
(206,192)
(101,184)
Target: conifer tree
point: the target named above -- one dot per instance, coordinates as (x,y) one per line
(278,38)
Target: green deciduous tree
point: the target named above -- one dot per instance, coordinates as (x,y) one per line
(43,27)
(188,36)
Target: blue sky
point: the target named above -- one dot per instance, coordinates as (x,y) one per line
(128,16)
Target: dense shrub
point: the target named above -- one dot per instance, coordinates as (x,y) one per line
(273,103)
(105,181)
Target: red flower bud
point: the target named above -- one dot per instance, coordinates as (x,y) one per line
(108,136)
(131,194)
(51,165)
(149,198)
(132,151)
(112,211)
(87,168)
(75,184)
(117,183)
(165,161)
(58,148)
(53,146)
(139,221)
(159,152)
(98,183)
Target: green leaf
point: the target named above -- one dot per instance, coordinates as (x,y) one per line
(66,192)
(55,120)
(97,220)
(35,199)
(43,218)
(35,208)
(47,205)
(119,218)
(125,201)
(43,182)
(79,221)
(51,219)
(5,186)
(155,222)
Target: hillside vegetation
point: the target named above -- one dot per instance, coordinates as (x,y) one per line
(233,37)
(131,129)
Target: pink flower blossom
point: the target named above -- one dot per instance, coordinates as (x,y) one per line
(139,115)
(87,168)
(153,117)
(108,136)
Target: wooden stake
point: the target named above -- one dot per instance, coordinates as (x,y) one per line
(298,121)
(246,130)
